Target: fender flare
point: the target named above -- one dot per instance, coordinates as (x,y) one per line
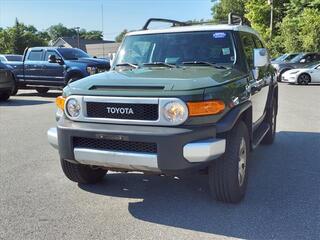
(231,118)
(73,71)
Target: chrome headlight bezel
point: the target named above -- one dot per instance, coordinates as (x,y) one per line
(175,112)
(73,108)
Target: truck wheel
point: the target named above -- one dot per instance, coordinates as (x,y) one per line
(15,90)
(228,175)
(42,90)
(271,119)
(82,173)
(5,96)
(73,78)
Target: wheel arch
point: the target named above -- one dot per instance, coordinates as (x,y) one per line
(242,112)
(73,73)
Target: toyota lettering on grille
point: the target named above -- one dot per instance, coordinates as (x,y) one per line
(122,111)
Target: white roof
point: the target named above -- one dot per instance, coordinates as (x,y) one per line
(197,28)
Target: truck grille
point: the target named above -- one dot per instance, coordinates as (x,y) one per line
(129,111)
(114,145)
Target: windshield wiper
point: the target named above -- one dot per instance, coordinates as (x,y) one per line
(159,64)
(203,63)
(127,65)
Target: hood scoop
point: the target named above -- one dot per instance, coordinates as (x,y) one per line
(126,88)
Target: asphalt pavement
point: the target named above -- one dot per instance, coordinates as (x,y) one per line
(38,202)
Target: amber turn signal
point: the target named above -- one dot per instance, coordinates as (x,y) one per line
(60,102)
(205,108)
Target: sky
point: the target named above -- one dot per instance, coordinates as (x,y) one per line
(118,14)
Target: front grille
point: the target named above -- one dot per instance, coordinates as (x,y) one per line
(128,111)
(114,145)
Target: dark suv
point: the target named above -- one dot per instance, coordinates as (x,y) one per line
(181,99)
(49,67)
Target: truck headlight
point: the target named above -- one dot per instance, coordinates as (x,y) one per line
(91,70)
(73,108)
(175,112)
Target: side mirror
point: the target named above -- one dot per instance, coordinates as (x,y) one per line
(260,57)
(303,60)
(52,59)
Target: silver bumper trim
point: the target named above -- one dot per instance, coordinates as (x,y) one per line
(114,159)
(53,137)
(204,150)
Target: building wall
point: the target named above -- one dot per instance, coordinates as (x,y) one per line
(103,50)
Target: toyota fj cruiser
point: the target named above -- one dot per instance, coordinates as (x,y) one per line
(190,97)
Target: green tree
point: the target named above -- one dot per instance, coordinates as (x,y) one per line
(15,39)
(59,30)
(222,8)
(92,35)
(120,37)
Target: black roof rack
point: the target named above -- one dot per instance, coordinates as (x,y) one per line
(233,19)
(173,22)
(236,19)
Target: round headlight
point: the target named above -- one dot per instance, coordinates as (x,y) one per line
(73,108)
(175,112)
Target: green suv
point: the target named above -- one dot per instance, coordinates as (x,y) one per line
(182,99)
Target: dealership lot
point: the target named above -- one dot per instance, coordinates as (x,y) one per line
(38,202)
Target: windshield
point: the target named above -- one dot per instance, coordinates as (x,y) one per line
(281,58)
(14,58)
(177,48)
(72,53)
(297,58)
(290,57)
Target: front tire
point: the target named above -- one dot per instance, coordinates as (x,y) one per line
(304,79)
(15,89)
(228,175)
(82,173)
(271,119)
(5,96)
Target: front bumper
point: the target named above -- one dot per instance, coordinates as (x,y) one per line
(177,148)
(288,78)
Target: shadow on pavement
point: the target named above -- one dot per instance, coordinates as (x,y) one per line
(282,200)
(35,94)
(23,102)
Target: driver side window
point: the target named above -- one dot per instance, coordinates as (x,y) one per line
(48,53)
(248,47)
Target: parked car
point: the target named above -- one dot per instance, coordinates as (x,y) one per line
(43,68)
(5,58)
(180,99)
(301,60)
(303,76)
(6,82)
(284,58)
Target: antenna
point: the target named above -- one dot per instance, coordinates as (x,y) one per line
(102,25)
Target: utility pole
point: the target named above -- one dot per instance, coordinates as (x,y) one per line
(270,2)
(78,35)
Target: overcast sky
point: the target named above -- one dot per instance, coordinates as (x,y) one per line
(118,14)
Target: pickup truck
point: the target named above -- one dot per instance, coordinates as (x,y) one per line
(45,68)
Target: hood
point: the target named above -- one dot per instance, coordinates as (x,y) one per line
(152,80)
(296,70)
(90,61)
